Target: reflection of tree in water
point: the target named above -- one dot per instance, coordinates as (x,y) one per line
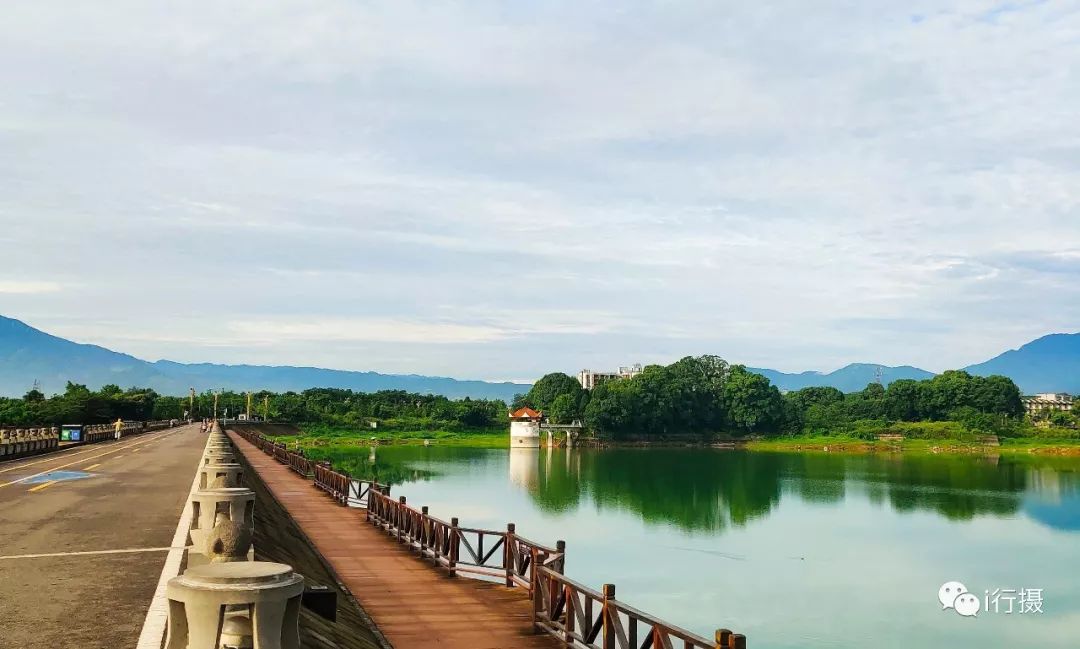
(695,491)
(358,463)
(708,490)
(958,488)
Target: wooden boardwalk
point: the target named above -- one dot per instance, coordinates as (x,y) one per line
(413,605)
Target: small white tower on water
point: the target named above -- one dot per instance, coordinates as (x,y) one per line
(525,428)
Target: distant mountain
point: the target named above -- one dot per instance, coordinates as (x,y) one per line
(1047,364)
(27,354)
(850,378)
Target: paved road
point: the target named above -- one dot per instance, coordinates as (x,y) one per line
(119,502)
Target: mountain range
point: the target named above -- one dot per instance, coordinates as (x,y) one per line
(1047,364)
(28,355)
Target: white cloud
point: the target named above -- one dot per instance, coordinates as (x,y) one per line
(24,287)
(560,185)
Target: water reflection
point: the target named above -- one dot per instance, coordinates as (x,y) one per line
(710,490)
(705,490)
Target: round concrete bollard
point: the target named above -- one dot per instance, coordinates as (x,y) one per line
(218,456)
(20,435)
(219,475)
(251,604)
(222,522)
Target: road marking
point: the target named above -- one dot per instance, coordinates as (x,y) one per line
(141,443)
(157,616)
(92,466)
(118,456)
(66,453)
(84,553)
(43,485)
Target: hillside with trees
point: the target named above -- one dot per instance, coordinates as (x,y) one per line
(706,396)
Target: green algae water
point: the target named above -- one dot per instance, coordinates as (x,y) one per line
(793,550)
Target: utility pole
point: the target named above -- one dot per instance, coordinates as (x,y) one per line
(191,403)
(249,406)
(215,403)
(266,407)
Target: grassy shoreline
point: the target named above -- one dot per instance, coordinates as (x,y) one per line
(329,438)
(838,444)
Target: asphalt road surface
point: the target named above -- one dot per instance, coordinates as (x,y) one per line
(83,537)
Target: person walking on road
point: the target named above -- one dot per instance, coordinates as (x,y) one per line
(118,427)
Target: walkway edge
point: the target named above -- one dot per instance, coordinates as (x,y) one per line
(157,617)
(243,445)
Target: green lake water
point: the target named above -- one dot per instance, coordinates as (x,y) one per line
(793,550)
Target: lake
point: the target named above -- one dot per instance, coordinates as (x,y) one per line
(793,550)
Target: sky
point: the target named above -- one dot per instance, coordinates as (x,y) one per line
(499,190)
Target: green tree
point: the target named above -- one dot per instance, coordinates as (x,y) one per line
(753,404)
(550,387)
(563,410)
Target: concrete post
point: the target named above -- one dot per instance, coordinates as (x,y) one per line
(218,456)
(222,523)
(218,475)
(252,604)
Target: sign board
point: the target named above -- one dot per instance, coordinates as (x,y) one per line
(71,433)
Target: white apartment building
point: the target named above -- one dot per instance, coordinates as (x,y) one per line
(590,379)
(1049,401)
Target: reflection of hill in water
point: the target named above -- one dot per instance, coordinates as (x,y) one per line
(707,490)
(358,463)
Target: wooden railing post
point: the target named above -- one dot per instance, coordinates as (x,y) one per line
(738,641)
(423,530)
(723,639)
(508,554)
(537,593)
(400,517)
(560,547)
(608,612)
(454,540)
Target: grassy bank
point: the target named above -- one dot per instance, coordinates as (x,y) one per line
(329,437)
(925,437)
(841,444)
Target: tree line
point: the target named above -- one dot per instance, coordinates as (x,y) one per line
(334,407)
(80,405)
(701,395)
(706,395)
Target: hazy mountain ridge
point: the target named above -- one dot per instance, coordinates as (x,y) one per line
(27,354)
(1048,364)
(850,378)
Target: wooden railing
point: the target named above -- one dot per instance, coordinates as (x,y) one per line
(579,617)
(584,618)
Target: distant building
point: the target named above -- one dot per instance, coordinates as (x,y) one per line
(1048,402)
(590,379)
(525,428)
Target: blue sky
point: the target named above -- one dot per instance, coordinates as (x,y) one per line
(498,190)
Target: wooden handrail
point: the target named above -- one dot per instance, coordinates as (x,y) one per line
(578,616)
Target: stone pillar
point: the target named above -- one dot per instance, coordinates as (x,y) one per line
(217,475)
(218,456)
(222,523)
(251,604)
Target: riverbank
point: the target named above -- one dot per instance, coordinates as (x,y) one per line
(838,444)
(329,439)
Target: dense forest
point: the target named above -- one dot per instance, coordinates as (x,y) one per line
(697,395)
(706,395)
(392,409)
